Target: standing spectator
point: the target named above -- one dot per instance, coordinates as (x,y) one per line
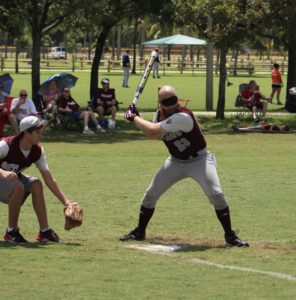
(18,153)
(21,107)
(189,158)
(69,107)
(156,64)
(277,83)
(106,103)
(126,67)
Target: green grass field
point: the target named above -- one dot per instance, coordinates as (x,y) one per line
(108,174)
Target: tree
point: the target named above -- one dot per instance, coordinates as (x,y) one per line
(233,21)
(40,16)
(282,20)
(113,12)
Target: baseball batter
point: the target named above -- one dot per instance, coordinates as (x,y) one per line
(188,157)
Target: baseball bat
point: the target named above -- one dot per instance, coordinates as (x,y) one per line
(144,78)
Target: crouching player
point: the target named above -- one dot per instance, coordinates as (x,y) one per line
(16,154)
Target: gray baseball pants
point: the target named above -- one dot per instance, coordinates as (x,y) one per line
(202,169)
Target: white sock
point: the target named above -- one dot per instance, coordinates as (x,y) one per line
(98,126)
(43,230)
(86,128)
(9,229)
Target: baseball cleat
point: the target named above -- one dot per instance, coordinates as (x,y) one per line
(48,236)
(233,240)
(14,237)
(136,235)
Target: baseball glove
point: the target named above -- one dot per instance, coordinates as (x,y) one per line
(73,215)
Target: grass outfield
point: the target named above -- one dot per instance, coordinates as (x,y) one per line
(108,174)
(187,86)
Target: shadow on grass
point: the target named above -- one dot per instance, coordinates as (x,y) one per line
(34,245)
(129,132)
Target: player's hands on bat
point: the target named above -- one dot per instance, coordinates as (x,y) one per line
(133,109)
(131,113)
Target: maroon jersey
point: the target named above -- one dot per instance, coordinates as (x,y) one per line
(70,102)
(106,96)
(15,160)
(185,145)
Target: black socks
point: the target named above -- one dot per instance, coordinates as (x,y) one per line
(144,218)
(224,218)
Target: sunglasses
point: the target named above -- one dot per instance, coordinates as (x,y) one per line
(1,87)
(23,95)
(66,91)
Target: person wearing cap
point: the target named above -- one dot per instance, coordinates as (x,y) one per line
(67,106)
(106,103)
(20,108)
(189,158)
(156,64)
(18,153)
(126,67)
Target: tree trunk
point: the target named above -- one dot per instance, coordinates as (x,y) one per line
(35,76)
(135,47)
(118,42)
(97,59)
(222,81)
(17,52)
(235,63)
(291,77)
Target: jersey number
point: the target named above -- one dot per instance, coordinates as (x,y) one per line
(182,144)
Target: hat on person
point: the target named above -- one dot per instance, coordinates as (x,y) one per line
(156,49)
(30,122)
(105,81)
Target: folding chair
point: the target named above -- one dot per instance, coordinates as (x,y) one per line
(242,109)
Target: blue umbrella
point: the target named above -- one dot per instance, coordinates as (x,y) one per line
(7,82)
(63,80)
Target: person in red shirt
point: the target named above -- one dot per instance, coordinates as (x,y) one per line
(277,83)
(253,99)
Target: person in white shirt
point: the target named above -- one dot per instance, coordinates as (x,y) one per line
(21,107)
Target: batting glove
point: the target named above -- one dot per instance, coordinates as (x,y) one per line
(130,116)
(133,109)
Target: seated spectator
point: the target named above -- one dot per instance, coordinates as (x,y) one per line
(4,112)
(50,96)
(270,128)
(66,105)
(21,107)
(253,99)
(106,103)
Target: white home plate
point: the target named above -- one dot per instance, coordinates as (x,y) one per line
(156,247)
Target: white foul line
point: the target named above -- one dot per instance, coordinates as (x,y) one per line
(158,248)
(242,269)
